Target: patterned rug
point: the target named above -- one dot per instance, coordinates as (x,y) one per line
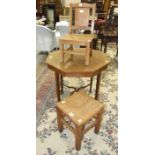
(50,142)
(45,88)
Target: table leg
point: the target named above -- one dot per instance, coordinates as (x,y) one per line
(87,54)
(61,78)
(91,84)
(57,86)
(97,85)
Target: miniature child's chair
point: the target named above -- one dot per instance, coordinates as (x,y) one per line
(82,16)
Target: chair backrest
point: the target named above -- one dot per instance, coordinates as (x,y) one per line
(45,39)
(82,16)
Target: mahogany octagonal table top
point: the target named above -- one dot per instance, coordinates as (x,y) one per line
(73,65)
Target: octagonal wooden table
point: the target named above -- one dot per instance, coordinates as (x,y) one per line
(73,67)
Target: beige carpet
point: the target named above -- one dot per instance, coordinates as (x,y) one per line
(49,141)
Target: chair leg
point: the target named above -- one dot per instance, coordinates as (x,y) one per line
(62,50)
(91,48)
(105,47)
(78,137)
(101,44)
(117,51)
(98,122)
(59,121)
(103,41)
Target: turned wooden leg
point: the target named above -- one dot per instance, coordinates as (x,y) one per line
(98,121)
(117,50)
(105,47)
(61,50)
(91,48)
(87,54)
(71,48)
(91,84)
(78,137)
(57,86)
(101,44)
(61,78)
(59,121)
(91,51)
(82,132)
(97,85)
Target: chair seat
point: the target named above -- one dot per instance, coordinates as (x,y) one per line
(80,107)
(78,38)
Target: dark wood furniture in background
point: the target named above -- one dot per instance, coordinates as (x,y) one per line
(49,11)
(100,14)
(73,67)
(109,32)
(55,4)
(102,6)
(40,3)
(106,25)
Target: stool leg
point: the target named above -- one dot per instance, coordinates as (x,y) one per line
(59,121)
(78,137)
(98,122)
(82,132)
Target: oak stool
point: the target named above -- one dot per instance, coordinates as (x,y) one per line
(76,111)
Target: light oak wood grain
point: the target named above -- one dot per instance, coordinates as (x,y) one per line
(80,109)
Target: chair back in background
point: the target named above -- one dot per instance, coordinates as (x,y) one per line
(82,16)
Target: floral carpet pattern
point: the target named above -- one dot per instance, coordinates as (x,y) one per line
(50,141)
